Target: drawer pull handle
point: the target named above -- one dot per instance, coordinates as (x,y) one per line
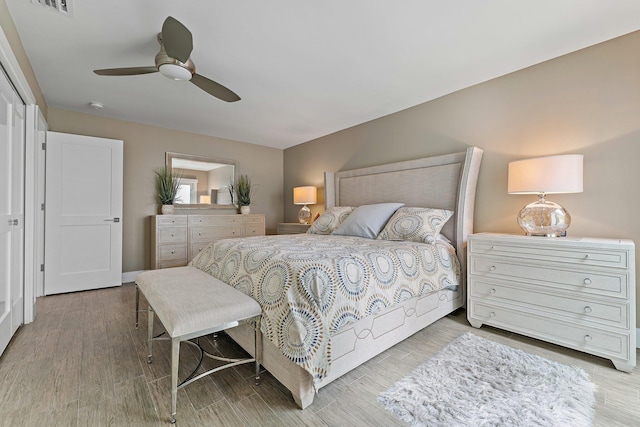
(587,256)
(173,252)
(587,281)
(587,338)
(172,235)
(492,268)
(492,314)
(587,309)
(493,290)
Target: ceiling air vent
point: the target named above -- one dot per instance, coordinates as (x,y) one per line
(64,7)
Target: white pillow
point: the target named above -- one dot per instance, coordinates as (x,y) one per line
(367,220)
(415,224)
(330,220)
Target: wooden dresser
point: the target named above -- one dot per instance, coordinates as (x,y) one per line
(575,292)
(176,239)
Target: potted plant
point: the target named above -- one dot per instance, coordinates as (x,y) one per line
(166,188)
(243,190)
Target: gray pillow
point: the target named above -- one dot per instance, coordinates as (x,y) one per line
(367,220)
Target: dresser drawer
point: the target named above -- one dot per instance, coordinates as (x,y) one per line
(213,220)
(253,219)
(171,220)
(172,263)
(253,230)
(573,307)
(565,254)
(169,252)
(172,235)
(196,248)
(612,284)
(594,341)
(209,234)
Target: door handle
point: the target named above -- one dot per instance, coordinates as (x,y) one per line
(113,220)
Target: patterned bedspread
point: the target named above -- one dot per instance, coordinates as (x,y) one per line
(310,286)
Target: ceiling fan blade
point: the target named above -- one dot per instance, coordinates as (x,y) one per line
(131,71)
(215,89)
(177,39)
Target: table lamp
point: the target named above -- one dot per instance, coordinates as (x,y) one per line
(304,196)
(542,176)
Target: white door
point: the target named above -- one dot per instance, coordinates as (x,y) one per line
(11,212)
(83,213)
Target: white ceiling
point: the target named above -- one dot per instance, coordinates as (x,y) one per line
(303,69)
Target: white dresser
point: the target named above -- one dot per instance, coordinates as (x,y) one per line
(575,292)
(176,239)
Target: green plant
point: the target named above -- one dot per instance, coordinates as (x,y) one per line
(243,190)
(166,185)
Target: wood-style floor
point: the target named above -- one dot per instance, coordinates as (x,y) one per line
(83,363)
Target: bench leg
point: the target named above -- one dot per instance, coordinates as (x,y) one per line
(137,304)
(258,349)
(175,357)
(149,334)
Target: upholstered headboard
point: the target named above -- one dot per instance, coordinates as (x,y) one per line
(447,182)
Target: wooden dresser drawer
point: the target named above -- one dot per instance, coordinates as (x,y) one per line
(209,234)
(251,219)
(172,220)
(614,283)
(172,235)
(583,255)
(574,308)
(196,248)
(172,263)
(584,338)
(214,220)
(253,230)
(169,252)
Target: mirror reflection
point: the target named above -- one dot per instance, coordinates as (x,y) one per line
(204,180)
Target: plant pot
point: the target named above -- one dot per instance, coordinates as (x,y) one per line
(245,209)
(167,209)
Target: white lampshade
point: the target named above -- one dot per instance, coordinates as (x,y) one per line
(304,195)
(549,175)
(542,176)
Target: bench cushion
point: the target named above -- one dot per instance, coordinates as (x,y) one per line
(188,300)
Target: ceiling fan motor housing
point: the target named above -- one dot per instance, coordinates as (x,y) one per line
(171,67)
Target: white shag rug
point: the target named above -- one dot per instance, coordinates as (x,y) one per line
(477,382)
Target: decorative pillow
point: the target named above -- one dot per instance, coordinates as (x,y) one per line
(330,220)
(367,220)
(415,224)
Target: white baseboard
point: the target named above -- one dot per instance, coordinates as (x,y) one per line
(637,337)
(130,276)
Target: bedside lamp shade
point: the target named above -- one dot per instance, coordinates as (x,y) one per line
(541,176)
(304,196)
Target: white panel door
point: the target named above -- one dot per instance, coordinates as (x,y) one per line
(83,213)
(12,113)
(17,207)
(6,219)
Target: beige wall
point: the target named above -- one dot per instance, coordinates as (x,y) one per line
(144,150)
(587,102)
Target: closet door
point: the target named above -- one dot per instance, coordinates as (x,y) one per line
(11,212)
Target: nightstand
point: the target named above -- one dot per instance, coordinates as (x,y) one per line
(575,292)
(292,228)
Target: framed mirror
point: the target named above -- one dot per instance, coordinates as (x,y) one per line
(204,181)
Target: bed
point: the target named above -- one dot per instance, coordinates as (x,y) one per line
(310,335)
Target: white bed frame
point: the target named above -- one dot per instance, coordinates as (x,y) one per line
(447,182)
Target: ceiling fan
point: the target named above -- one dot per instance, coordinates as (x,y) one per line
(173,61)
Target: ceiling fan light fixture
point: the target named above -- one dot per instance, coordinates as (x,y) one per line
(175,72)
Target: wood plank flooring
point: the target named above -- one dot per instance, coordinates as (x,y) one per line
(83,363)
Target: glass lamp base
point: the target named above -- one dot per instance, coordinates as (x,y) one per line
(544,218)
(304,216)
